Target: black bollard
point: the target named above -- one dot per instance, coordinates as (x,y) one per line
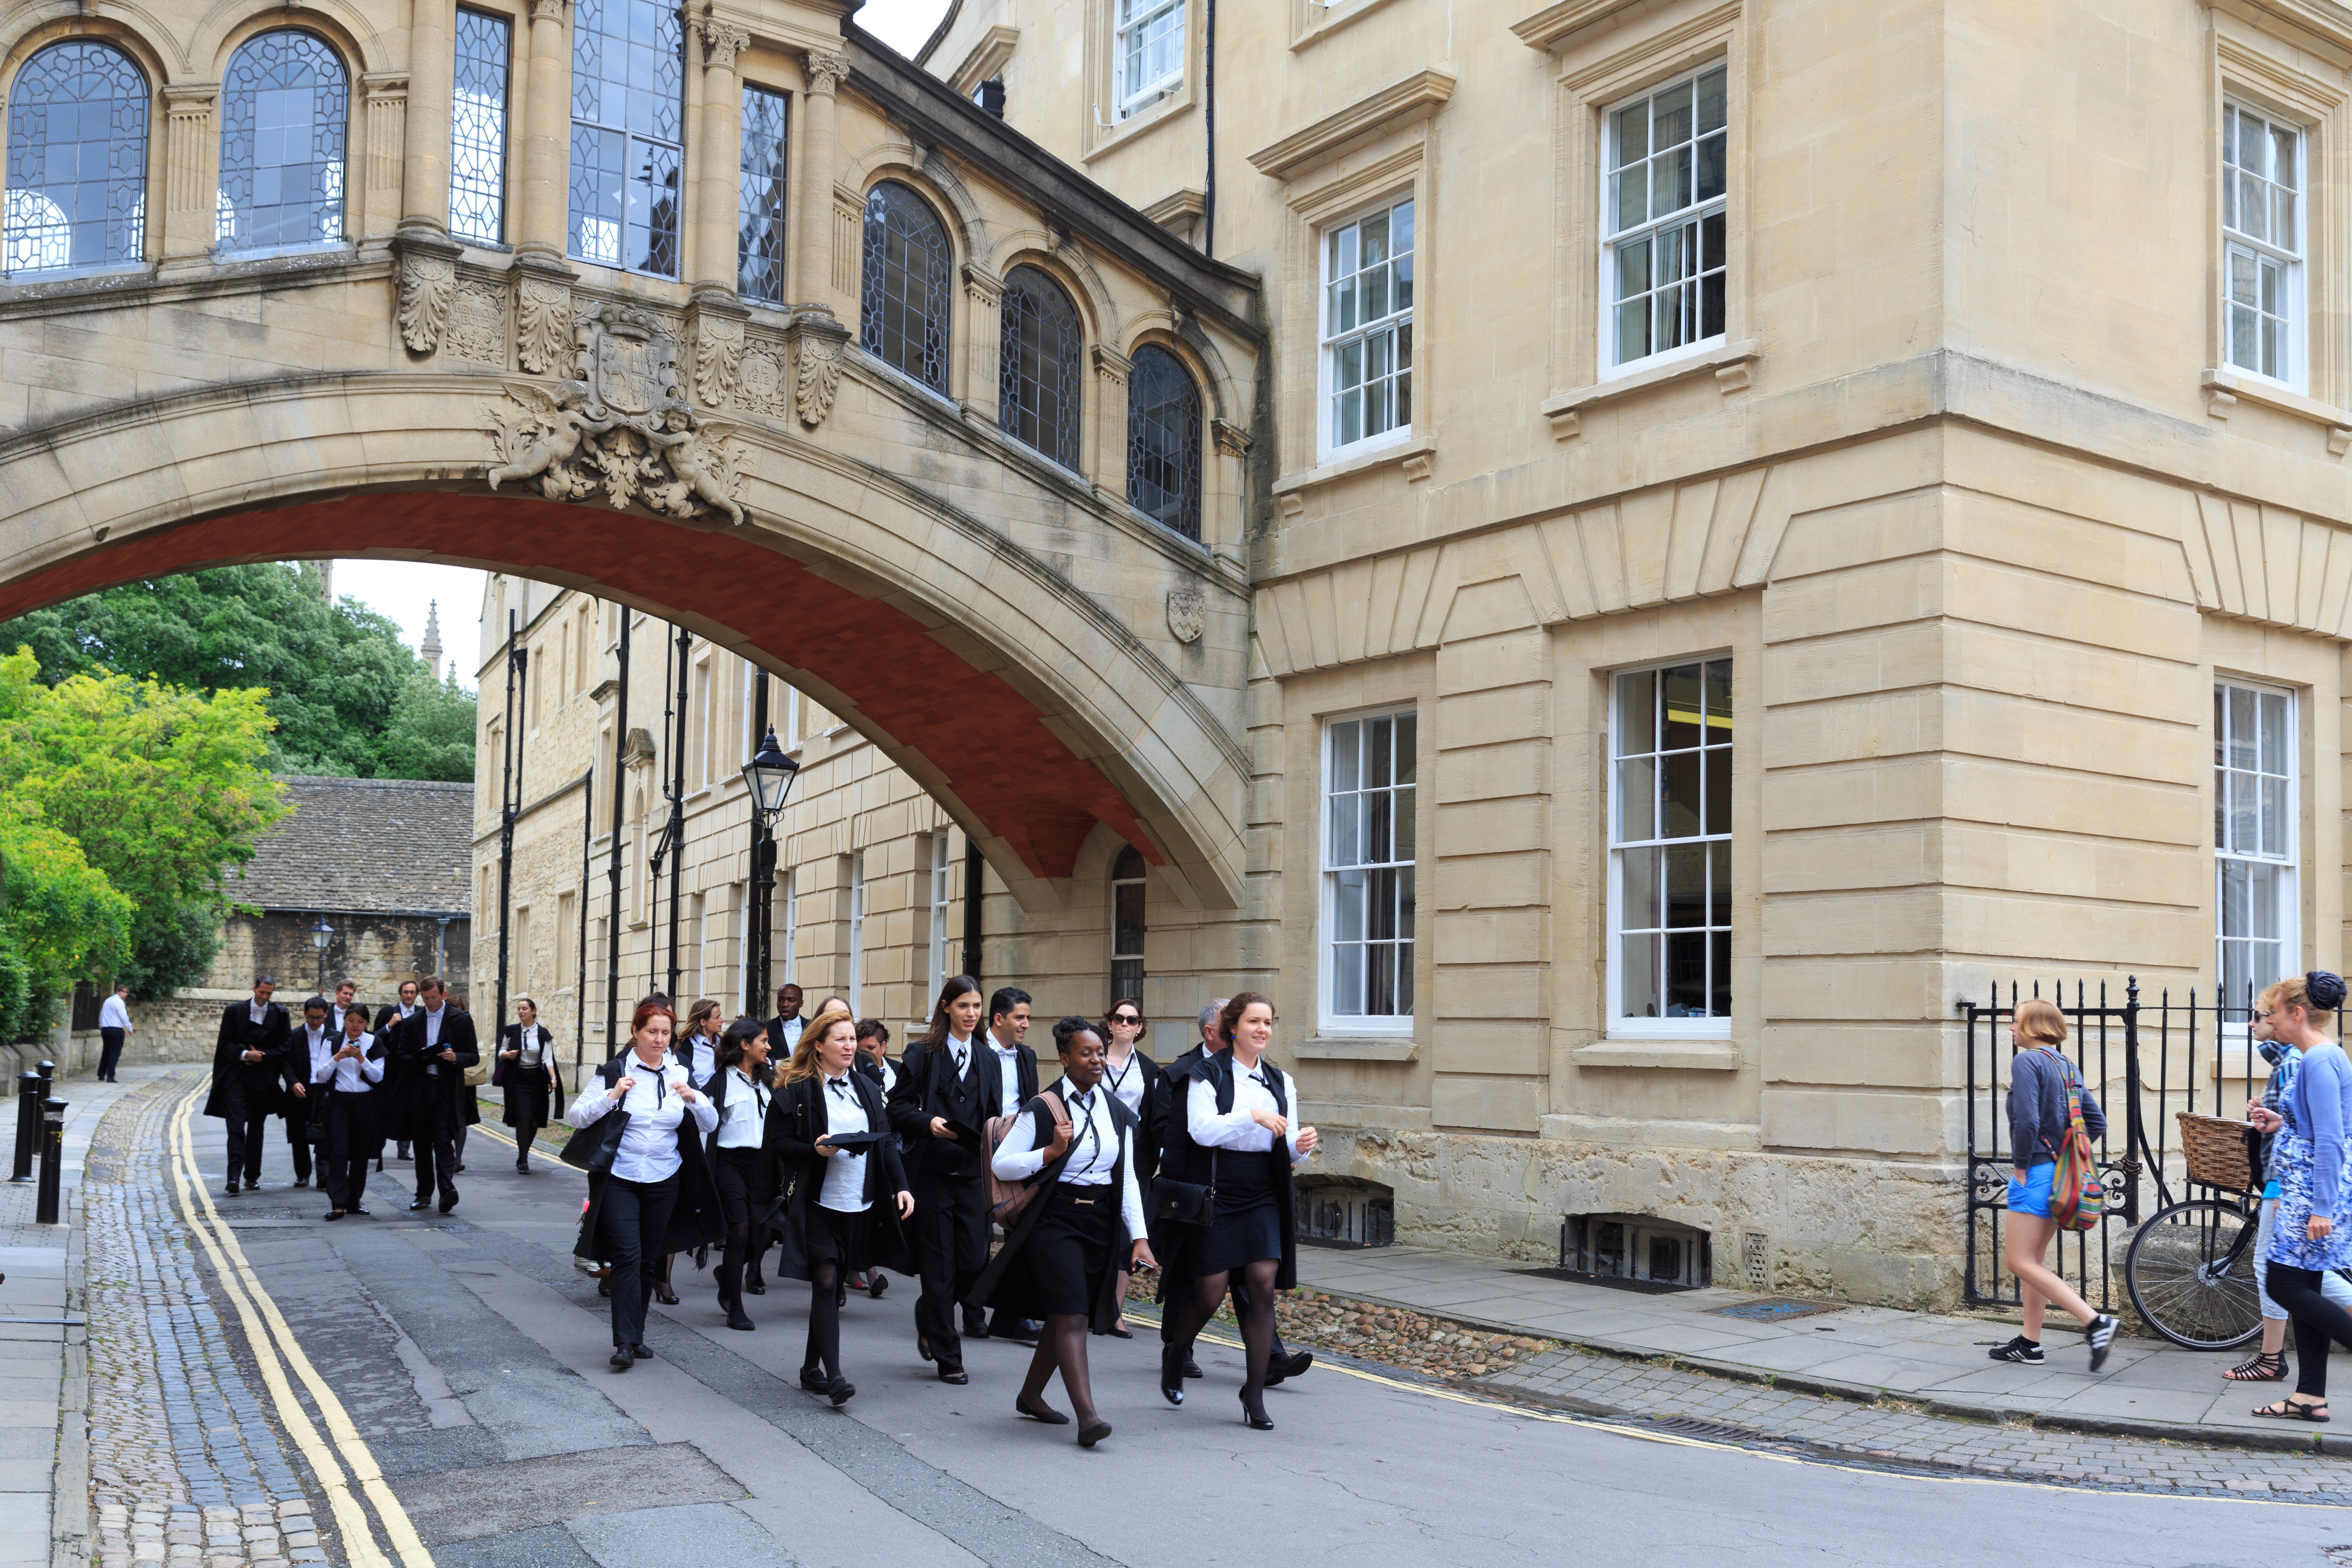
(28,1123)
(53,1160)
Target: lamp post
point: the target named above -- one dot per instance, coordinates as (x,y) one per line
(770,775)
(320,935)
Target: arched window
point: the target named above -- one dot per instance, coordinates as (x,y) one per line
(1127,924)
(77,160)
(285,108)
(1037,366)
(1163,441)
(903,319)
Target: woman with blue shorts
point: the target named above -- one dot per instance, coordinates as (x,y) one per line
(2039,1126)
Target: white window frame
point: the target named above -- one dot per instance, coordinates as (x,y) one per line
(942,885)
(1619,1024)
(788,879)
(1695,212)
(2238,243)
(857,933)
(1331,1021)
(1331,341)
(1129,19)
(2285,864)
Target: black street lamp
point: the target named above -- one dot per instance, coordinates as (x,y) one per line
(770,775)
(320,935)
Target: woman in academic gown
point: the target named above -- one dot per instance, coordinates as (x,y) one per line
(843,1201)
(1082,1226)
(527,1072)
(739,1089)
(1134,1078)
(650,1189)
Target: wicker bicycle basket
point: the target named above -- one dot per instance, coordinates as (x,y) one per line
(2215,1150)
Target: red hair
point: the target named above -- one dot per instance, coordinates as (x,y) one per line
(649,1008)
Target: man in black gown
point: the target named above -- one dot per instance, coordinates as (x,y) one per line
(431,1052)
(249,1075)
(384,1019)
(951,1082)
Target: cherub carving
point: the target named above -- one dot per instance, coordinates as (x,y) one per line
(697,461)
(547,437)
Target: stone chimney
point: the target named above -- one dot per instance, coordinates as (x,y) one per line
(430,648)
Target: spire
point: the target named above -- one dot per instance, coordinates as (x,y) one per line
(326,580)
(430,648)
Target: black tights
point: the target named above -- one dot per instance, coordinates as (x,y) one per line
(2318,1320)
(524,1133)
(1257,1323)
(825,1318)
(730,1263)
(1063,1345)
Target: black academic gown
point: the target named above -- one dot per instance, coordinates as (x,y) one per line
(412,1096)
(1149,1117)
(927,1087)
(1004,1286)
(265,1081)
(698,1220)
(796,1119)
(1182,1155)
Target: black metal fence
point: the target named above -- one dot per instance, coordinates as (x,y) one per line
(2144,1062)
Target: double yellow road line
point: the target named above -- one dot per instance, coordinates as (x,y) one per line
(340,1459)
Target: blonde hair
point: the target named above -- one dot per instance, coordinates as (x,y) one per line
(804,1063)
(2294,991)
(2040,1021)
(703,1009)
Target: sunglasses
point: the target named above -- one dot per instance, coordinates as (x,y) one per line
(1126,1018)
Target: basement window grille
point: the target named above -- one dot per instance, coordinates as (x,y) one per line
(1339,1211)
(1643,1253)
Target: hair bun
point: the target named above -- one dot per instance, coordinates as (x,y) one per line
(2326,990)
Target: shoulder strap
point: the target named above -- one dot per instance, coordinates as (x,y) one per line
(1054,1108)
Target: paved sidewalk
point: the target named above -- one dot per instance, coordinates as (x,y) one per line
(2148,1387)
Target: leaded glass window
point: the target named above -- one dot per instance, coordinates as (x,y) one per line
(628,64)
(478,128)
(1664,267)
(903,316)
(1163,441)
(759,202)
(1670,844)
(1039,366)
(77,161)
(284,113)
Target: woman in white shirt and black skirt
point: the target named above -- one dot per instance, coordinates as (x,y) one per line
(1244,1109)
(844,1198)
(746,1175)
(650,1191)
(526,1071)
(1065,1257)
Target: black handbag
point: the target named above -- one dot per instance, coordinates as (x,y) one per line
(1185,1203)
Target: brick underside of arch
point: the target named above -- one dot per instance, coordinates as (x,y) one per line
(986,740)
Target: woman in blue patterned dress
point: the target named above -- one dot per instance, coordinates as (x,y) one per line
(2312,1232)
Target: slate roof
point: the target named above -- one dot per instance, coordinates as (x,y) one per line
(367,847)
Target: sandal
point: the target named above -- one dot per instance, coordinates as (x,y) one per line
(2288,1410)
(2270,1367)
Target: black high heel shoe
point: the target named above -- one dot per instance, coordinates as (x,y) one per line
(1172,1374)
(1255,1423)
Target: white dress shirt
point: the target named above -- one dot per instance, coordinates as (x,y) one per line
(743,1124)
(791,1030)
(959,1054)
(323,1045)
(703,1051)
(357,1077)
(1008,1067)
(260,1011)
(845,1174)
(1236,1130)
(527,1046)
(1126,1082)
(112,1013)
(648,1151)
(889,1075)
(1095,1144)
(433,1017)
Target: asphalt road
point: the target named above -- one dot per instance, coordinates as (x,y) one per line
(469,1359)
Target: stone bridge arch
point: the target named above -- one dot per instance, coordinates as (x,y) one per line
(1006,674)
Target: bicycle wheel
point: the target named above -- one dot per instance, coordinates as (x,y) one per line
(2190,1272)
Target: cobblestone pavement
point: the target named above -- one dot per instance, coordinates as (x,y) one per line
(1677,1399)
(187,1465)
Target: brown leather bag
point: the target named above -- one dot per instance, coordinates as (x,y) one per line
(1007,1199)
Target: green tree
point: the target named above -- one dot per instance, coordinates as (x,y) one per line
(432,732)
(60,920)
(341,684)
(164,790)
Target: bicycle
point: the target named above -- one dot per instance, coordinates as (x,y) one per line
(2191,1268)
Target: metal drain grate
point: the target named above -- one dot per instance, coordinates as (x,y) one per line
(1691,1427)
(1756,1260)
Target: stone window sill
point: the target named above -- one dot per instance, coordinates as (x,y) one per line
(2224,390)
(1358,1049)
(1110,139)
(1730,363)
(1690,1055)
(1414,453)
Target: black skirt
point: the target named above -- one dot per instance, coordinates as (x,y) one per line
(526,1092)
(738,1173)
(845,1239)
(1068,1255)
(1248,1224)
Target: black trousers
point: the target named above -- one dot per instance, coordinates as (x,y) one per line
(632,1212)
(2318,1320)
(111,1057)
(433,1129)
(737,1173)
(354,1137)
(245,1110)
(951,1248)
(298,1137)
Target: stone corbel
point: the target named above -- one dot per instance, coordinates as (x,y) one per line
(428,282)
(1112,365)
(715,320)
(543,314)
(2218,402)
(984,289)
(817,340)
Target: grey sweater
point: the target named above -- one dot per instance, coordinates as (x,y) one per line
(2037,1110)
